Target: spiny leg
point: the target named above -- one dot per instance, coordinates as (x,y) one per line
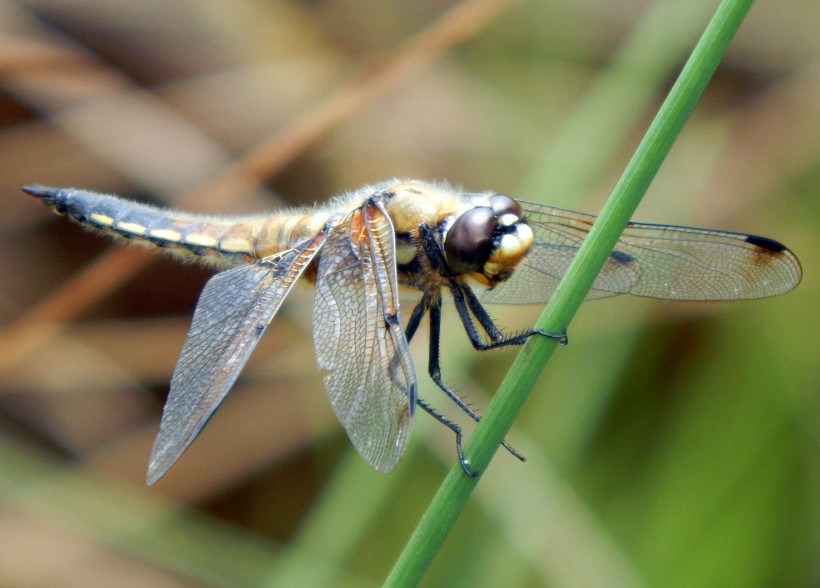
(432,302)
(434,369)
(412,326)
(466,302)
(465,465)
(415,319)
(498,339)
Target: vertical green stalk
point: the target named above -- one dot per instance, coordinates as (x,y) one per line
(489,433)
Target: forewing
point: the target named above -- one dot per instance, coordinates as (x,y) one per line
(233,311)
(359,344)
(658,261)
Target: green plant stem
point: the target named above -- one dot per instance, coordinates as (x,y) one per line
(570,293)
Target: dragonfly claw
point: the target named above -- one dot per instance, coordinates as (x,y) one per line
(562,337)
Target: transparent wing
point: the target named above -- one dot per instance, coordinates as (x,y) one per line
(358,338)
(233,311)
(658,261)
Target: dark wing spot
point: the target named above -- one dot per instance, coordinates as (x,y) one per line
(764,243)
(621,257)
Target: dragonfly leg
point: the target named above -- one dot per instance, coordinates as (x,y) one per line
(498,339)
(465,465)
(466,302)
(434,369)
(415,319)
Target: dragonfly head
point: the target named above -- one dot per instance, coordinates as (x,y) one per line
(488,240)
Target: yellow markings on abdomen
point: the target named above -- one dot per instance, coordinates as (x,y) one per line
(131,228)
(235,245)
(165,235)
(208,239)
(201,240)
(101,219)
(126,229)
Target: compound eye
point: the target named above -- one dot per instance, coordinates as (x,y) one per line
(468,243)
(503,205)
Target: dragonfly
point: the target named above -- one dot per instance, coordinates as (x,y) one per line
(359,250)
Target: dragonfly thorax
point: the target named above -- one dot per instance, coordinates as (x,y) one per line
(488,241)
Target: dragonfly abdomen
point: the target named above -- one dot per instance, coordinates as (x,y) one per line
(220,241)
(223,242)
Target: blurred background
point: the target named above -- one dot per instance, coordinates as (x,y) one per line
(669,444)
